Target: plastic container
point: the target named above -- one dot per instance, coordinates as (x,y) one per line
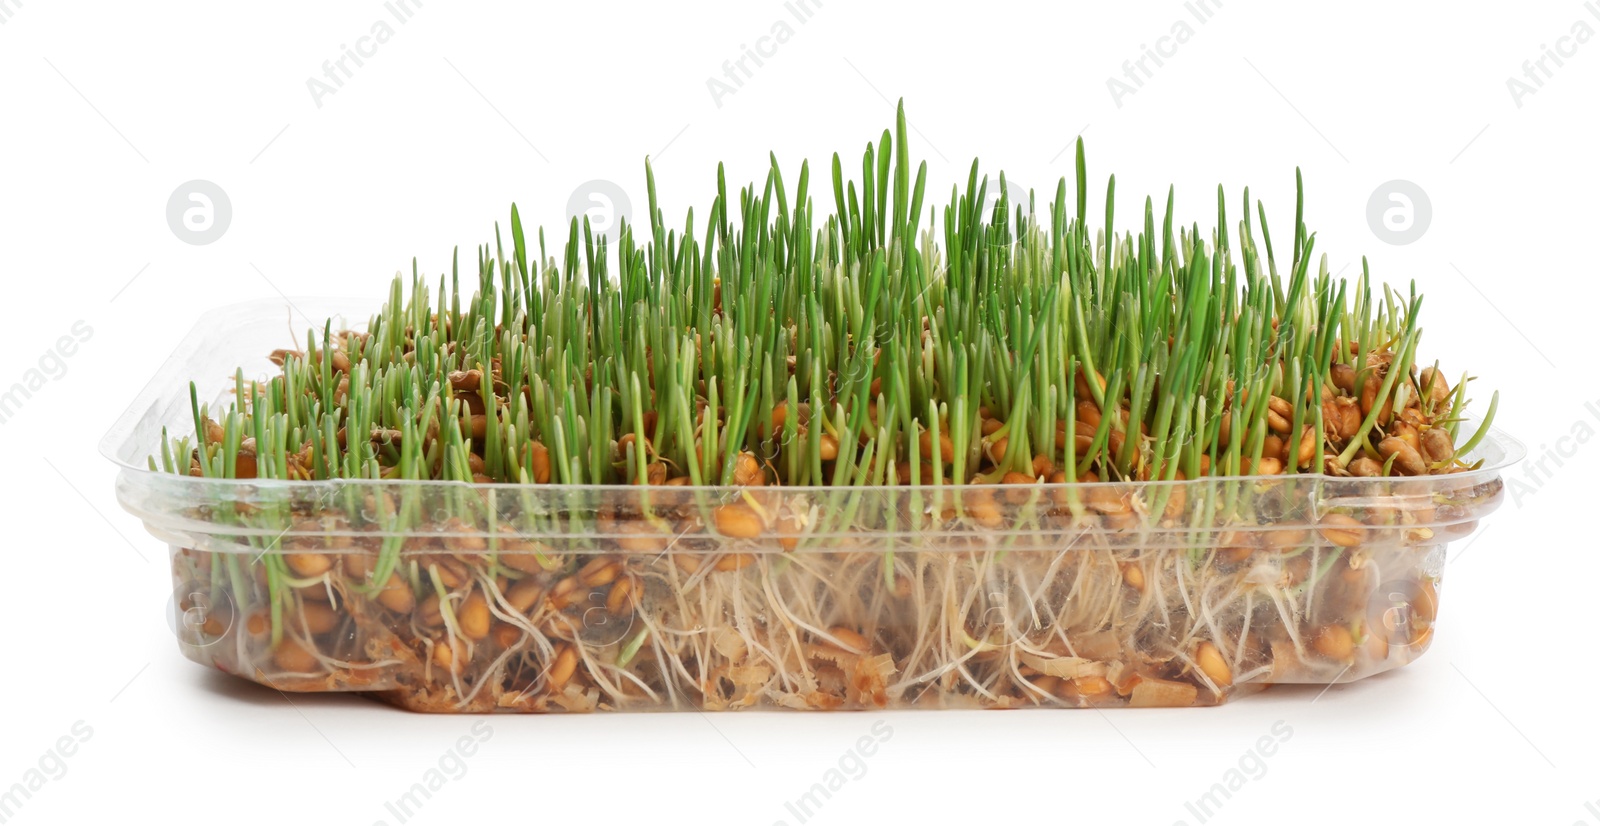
(450,597)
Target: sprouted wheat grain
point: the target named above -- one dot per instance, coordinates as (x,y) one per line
(762,461)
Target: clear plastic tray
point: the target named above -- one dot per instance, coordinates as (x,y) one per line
(450,597)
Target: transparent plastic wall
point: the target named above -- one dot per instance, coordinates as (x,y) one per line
(451,597)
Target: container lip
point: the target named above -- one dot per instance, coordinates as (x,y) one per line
(1503,450)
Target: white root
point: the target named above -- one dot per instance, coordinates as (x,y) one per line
(975,626)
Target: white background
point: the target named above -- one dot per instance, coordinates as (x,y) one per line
(105,108)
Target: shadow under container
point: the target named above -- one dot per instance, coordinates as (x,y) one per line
(449,597)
